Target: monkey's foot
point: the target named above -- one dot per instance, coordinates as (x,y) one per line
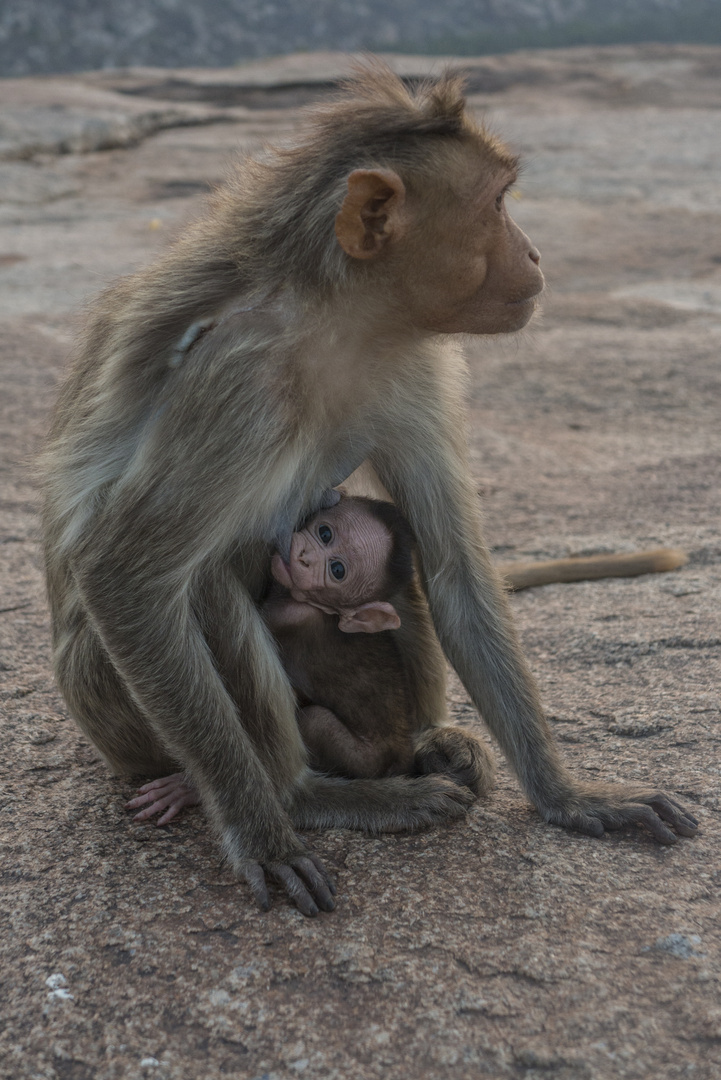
(304,878)
(593,808)
(169,793)
(456,754)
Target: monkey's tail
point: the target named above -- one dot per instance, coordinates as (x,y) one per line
(526,575)
(390,804)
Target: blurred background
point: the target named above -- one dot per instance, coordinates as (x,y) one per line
(45,36)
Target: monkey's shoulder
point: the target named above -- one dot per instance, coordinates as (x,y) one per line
(235,329)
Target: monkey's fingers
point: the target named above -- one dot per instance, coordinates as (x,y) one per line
(659,808)
(158,789)
(169,804)
(169,793)
(253,874)
(319,866)
(583,823)
(286,876)
(667,808)
(317,879)
(321,886)
(173,810)
(644,815)
(615,808)
(652,810)
(163,782)
(143,800)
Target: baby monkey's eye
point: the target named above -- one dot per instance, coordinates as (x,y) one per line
(325,533)
(337,569)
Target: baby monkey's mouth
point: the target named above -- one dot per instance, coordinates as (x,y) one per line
(280,569)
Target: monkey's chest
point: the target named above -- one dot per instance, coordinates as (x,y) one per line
(318,470)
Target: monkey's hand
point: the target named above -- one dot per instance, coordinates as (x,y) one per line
(330,497)
(593,808)
(303,877)
(169,793)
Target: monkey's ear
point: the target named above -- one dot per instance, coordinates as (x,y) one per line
(369,618)
(371,212)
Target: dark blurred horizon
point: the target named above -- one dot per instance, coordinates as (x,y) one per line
(54,36)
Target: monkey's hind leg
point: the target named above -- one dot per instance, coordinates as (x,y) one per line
(456,754)
(100,704)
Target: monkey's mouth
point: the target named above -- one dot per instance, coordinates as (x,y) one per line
(280,570)
(524,299)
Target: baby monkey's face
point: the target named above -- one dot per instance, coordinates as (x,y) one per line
(337,560)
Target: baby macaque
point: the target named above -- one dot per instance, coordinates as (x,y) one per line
(355,707)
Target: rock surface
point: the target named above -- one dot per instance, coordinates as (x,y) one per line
(500,947)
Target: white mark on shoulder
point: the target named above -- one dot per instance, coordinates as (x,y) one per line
(189,338)
(200,327)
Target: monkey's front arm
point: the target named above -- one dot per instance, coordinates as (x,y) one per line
(158,569)
(424,467)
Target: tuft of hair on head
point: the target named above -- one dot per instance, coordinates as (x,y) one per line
(440,98)
(399,569)
(385,111)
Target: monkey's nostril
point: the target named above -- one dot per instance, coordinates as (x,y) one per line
(534,255)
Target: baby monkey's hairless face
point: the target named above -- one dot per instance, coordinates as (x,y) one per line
(337,560)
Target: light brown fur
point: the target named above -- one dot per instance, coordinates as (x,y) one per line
(218,395)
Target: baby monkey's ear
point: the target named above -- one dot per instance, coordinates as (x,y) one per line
(369,618)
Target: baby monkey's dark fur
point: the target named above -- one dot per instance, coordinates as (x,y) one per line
(363,697)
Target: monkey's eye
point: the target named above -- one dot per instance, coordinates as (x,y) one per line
(325,533)
(499,200)
(337,569)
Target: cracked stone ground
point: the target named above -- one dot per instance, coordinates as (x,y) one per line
(500,947)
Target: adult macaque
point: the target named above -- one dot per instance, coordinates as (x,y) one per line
(361,712)
(300,328)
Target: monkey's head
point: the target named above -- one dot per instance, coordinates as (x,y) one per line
(350,560)
(398,197)
(454,257)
